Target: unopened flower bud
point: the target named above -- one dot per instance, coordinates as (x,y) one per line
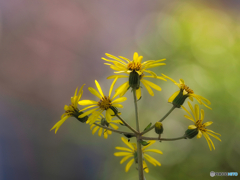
(191,133)
(134,80)
(179,99)
(158,128)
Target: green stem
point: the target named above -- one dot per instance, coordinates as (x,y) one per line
(139,146)
(126,124)
(164,139)
(113,130)
(166,115)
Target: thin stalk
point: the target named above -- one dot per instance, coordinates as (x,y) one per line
(166,115)
(113,130)
(164,139)
(139,146)
(126,124)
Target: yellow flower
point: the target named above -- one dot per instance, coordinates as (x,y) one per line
(71,110)
(105,103)
(102,121)
(199,128)
(179,97)
(134,68)
(132,152)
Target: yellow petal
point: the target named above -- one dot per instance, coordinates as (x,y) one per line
(138,93)
(87,102)
(99,88)
(114,57)
(213,136)
(213,132)
(135,56)
(154,150)
(194,114)
(148,88)
(145,167)
(129,164)
(121,90)
(59,123)
(105,134)
(122,153)
(192,127)
(127,143)
(173,96)
(117,105)
(207,139)
(125,158)
(169,78)
(95,129)
(123,149)
(152,160)
(87,113)
(100,132)
(116,76)
(119,100)
(199,134)
(114,126)
(190,118)
(197,111)
(94,92)
(112,85)
(149,144)
(208,123)
(109,114)
(154,86)
(87,107)
(202,114)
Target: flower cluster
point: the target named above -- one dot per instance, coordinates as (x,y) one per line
(100,111)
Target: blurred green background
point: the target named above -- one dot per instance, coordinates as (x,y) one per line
(48,48)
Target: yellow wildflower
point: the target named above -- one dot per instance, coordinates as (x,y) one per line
(131,152)
(102,121)
(199,128)
(179,97)
(71,110)
(105,103)
(137,69)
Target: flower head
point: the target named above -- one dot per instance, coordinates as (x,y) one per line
(199,128)
(71,110)
(105,103)
(131,152)
(102,121)
(134,68)
(184,92)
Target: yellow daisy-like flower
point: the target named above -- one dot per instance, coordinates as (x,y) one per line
(132,152)
(134,69)
(179,97)
(102,121)
(199,128)
(71,110)
(105,103)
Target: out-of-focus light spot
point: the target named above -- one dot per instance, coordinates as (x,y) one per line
(169,29)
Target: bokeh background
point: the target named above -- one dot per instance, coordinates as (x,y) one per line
(49,47)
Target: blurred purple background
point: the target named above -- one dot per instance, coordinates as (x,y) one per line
(48,48)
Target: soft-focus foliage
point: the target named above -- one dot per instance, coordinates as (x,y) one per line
(48,48)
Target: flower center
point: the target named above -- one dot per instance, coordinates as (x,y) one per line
(200,126)
(104,103)
(186,88)
(134,66)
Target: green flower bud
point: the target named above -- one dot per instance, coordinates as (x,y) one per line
(104,122)
(158,128)
(191,133)
(77,113)
(134,80)
(179,99)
